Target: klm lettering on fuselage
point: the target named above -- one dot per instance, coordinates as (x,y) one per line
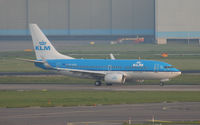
(138,64)
(42,46)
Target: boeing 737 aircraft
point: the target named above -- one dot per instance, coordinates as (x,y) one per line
(108,70)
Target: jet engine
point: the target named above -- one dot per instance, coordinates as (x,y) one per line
(115,78)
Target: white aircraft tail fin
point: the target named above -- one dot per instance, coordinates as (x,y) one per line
(42,46)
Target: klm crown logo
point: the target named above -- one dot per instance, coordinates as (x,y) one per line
(42,43)
(42,46)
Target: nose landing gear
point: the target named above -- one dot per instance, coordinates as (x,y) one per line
(162,81)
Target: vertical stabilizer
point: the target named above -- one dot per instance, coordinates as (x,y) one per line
(42,46)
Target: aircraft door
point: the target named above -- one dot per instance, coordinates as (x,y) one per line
(109,68)
(156,67)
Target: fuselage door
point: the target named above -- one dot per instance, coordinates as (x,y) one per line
(109,68)
(156,67)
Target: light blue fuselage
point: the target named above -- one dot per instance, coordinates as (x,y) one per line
(110,65)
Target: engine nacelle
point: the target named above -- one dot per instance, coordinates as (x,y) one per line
(115,78)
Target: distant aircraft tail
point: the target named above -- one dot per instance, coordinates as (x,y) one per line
(42,46)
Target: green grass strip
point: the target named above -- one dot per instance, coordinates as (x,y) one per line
(89,98)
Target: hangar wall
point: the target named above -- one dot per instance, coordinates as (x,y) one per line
(177,19)
(13,17)
(78,17)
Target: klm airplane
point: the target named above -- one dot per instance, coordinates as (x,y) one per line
(109,70)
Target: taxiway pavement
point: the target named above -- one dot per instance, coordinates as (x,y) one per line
(37,86)
(100,115)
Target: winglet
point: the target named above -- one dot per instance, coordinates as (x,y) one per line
(112,56)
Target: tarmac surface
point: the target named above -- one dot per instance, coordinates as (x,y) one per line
(21,87)
(101,115)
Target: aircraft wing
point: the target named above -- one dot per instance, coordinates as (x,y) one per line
(112,56)
(99,74)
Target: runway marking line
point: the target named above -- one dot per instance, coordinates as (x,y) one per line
(42,114)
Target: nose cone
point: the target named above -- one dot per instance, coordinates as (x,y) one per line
(178,73)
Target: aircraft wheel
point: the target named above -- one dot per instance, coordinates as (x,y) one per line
(162,84)
(98,83)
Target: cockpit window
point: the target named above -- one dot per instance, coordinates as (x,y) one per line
(167,67)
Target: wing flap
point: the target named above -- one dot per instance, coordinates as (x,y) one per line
(89,72)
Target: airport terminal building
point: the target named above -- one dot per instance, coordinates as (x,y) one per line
(155,20)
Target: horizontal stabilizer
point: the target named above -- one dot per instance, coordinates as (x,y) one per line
(28,60)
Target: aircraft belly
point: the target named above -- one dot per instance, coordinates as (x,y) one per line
(129,75)
(149,75)
(80,75)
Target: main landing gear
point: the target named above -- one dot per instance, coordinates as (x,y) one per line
(162,83)
(97,83)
